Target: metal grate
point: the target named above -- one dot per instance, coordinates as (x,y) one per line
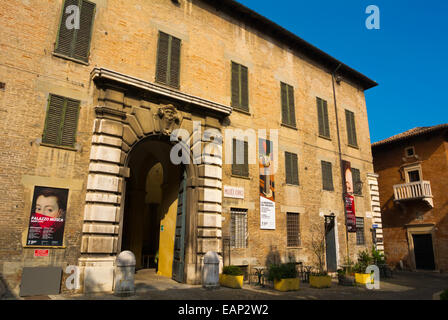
(293,229)
(360,240)
(238,228)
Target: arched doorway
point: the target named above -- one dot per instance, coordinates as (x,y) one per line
(153,225)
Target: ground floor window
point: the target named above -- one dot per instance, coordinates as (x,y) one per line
(238,228)
(293,229)
(360,240)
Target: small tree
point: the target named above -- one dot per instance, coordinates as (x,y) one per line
(317,244)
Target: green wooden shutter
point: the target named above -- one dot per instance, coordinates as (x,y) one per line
(291,106)
(244,88)
(322,114)
(70,123)
(284,98)
(357,187)
(162,58)
(327,176)
(174,70)
(66,37)
(351,128)
(84,34)
(245,166)
(235,85)
(53,121)
(292,174)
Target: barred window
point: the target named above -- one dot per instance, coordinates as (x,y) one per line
(360,240)
(238,228)
(293,229)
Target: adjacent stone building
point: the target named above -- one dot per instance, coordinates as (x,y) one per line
(90,112)
(412,168)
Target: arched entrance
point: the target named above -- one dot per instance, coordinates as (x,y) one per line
(131,116)
(153,226)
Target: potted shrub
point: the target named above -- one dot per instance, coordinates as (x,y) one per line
(364,260)
(284,276)
(319,279)
(231,277)
(346,276)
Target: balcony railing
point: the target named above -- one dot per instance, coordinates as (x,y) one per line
(413,191)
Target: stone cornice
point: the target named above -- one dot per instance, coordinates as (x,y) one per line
(106,74)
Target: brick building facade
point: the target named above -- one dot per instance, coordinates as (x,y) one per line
(92,110)
(412,168)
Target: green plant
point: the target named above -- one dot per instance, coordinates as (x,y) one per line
(282,271)
(378,257)
(317,245)
(444,295)
(232,271)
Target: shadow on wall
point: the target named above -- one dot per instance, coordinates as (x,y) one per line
(5,291)
(273,256)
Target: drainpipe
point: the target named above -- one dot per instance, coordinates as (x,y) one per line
(333,75)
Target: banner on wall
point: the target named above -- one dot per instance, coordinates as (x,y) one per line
(350,214)
(267,186)
(47,219)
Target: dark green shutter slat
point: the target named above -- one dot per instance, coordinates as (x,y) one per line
(351,128)
(244,88)
(175,62)
(284,103)
(83,34)
(70,123)
(355,142)
(291,107)
(288,167)
(326,122)
(356,175)
(65,36)
(245,166)
(295,169)
(53,120)
(320,116)
(235,85)
(162,58)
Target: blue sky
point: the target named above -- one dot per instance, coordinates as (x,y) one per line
(407,56)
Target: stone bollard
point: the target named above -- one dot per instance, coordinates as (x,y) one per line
(210,270)
(124,274)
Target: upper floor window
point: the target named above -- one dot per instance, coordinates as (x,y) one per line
(74,42)
(240,87)
(168,60)
(288,108)
(409,152)
(322,114)
(61,121)
(327,176)
(357,183)
(240,158)
(291,168)
(351,128)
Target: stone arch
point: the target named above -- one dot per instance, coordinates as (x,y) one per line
(124,117)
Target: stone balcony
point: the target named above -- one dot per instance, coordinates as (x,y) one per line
(420,190)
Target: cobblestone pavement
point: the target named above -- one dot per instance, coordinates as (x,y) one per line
(402,286)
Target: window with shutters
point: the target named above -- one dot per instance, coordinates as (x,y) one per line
(61,121)
(240,87)
(357,183)
(168,60)
(291,168)
(288,108)
(240,158)
(238,228)
(360,239)
(75,43)
(322,114)
(327,176)
(351,128)
(293,229)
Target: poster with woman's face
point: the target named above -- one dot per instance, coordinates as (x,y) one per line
(47,219)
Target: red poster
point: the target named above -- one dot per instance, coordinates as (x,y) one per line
(41,253)
(350,213)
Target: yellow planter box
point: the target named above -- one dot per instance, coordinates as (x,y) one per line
(320,281)
(291,284)
(363,278)
(229,281)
